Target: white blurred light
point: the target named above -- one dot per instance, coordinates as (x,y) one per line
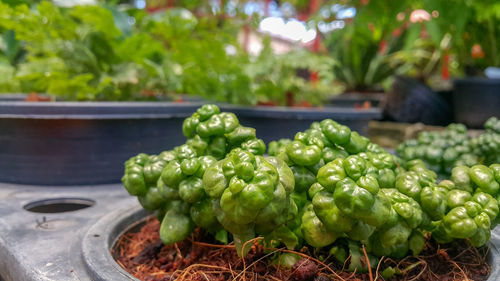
(327,27)
(214,6)
(71,3)
(336,7)
(230,49)
(346,13)
(293,29)
(271,23)
(255,48)
(140,4)
(253,7)
(309,36)
(231,8)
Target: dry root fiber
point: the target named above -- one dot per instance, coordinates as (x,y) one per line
(144,256)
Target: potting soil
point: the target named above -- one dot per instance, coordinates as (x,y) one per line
(199,257)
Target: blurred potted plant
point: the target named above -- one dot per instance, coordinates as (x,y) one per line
(463,36)
(432,35)
(364,48)
(84,53)
(278,80)
(282,79)
(477,96)
(100,53)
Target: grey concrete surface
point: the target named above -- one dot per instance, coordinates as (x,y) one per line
(37,246)
(75,245)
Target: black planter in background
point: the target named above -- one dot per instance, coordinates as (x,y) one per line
(475,100)
(77,143)
(411,101)
(80,143)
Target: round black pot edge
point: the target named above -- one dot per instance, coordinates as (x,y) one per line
(11,109)
(476,99)
(96,110)
(120,110)
(102,236)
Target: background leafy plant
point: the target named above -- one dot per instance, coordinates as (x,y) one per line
(73,53)
(104,53)
(276,75)
(365,47)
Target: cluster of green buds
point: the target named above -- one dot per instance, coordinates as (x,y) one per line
(141,176)
(440,150)
(328,188)
(357,199)
(487,145)
(320,144)
(443,150)
(274,148)
(213,133)
(390,209)
(170,184)
(350,195)
(472,206)
(251,195)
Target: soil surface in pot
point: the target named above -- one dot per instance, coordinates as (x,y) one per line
(143,255)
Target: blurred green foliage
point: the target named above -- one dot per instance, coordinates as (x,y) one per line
(80,53)
(277,74)
(105,53)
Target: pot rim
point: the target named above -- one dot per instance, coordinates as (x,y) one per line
(102,236)
(95,110)
(476,80)
(150,110)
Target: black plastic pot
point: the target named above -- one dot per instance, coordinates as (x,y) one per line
(356,99)
(475,100)
(411,101)
(70,143)
(102,236)
(274,123)
(59,143)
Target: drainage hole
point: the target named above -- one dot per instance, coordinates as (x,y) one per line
(58,205)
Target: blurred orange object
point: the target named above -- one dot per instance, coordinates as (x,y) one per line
(365,105)
(477,51)
(35,97)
